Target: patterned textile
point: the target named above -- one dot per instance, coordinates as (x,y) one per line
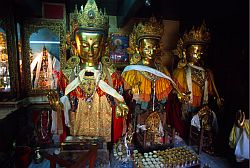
(92,118)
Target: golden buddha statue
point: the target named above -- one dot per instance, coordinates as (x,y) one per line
(191,76)
(144,47)
(146,79)
(89,81)
(194,77)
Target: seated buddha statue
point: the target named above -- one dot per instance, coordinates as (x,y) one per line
(146,79)
(192,76)
(90,86)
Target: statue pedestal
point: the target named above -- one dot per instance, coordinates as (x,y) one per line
(7,107)
(82,143)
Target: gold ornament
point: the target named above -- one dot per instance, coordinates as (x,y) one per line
(206,117)
(121,109)
(73,62)
(151,29)
(89,17)
(135,58)
(179,50)
(199,35)
(108,65)
(153,121)
(54,101)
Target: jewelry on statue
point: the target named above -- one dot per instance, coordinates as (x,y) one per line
(89,84)
(198,77)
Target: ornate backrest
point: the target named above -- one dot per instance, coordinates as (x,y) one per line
(206,118)
(152,122)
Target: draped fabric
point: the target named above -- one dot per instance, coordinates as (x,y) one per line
(179,76)
(174,116)
(239,140)
(134,77)
(174,107)
(148,85)
(95,118)
(92,118)
(118,124)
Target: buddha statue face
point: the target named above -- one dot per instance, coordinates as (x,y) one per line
(195,53)
(148,48)
(90,46)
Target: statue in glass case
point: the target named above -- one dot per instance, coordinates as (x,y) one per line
(4,64)
(90,85)
(43,67)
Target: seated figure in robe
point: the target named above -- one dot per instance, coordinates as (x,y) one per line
(192,76)
(146,80)
(90,86)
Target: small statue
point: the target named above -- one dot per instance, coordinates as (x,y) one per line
(128,139)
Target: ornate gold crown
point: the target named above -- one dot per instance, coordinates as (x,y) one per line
(179,49)
(150,29)
(89,17)
(201,35)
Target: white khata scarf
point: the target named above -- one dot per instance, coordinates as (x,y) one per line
(100,83)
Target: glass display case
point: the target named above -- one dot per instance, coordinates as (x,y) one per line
(4,63)
(9,74)
(44,59)
(44,43)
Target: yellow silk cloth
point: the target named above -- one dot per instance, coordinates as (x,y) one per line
(232,137)
(92,118)
(133,78)
(179,76)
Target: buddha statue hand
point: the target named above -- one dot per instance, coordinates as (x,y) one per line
(121,109)
(220,102)
(184,97)
(54,101)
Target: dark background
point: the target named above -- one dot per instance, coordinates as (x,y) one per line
(228,58)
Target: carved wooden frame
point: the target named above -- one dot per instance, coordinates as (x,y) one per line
(57,26)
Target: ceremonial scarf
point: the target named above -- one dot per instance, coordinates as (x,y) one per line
(100,83)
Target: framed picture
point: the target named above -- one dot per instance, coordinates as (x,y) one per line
(118,51)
